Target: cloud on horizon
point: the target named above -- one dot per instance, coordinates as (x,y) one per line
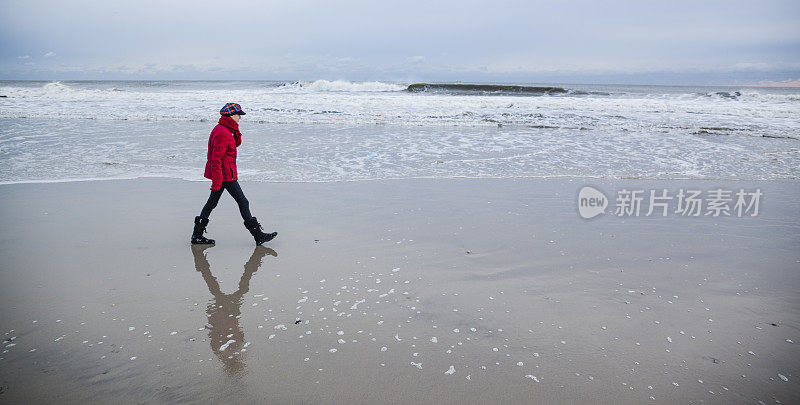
(782,83)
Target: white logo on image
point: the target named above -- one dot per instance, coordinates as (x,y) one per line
(591,202)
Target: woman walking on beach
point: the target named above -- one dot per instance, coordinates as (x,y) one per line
(221,169)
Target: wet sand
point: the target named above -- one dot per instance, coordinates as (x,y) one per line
(399,291)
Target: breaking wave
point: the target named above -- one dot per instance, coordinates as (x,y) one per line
(338,86)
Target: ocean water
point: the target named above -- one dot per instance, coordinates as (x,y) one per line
(346,131)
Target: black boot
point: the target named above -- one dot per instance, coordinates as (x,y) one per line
(199,229)
(254,227)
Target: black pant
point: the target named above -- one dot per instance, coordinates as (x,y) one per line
(236,192)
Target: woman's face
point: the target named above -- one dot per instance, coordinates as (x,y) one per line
(236,117)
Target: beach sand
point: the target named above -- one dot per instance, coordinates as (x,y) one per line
(406,291)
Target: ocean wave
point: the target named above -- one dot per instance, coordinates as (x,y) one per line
(57,87)
(338,86)
(752,95)
(732,95)
(57,90)
(769,97)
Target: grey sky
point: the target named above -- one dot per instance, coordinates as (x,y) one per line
(711,42)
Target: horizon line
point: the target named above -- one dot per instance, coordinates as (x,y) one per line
(789,83)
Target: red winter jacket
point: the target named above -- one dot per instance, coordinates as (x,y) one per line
(222,143)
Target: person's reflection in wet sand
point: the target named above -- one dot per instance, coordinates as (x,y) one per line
(224,310)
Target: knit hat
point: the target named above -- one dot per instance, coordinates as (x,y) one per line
(231,109)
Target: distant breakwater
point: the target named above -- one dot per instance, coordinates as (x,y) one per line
(482,88)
